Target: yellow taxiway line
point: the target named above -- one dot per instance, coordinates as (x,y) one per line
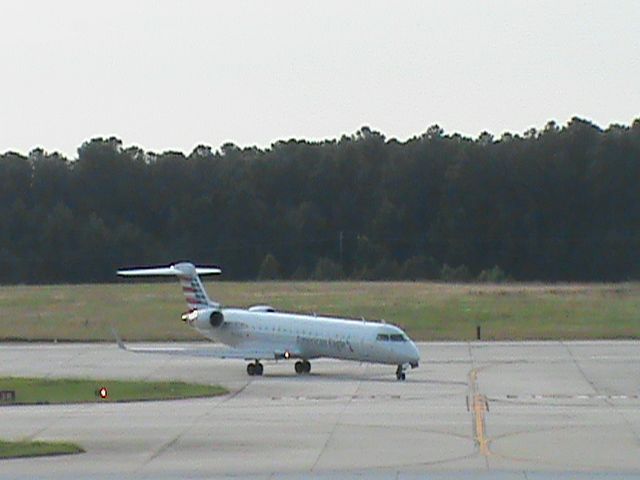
(479,407)
(479,410)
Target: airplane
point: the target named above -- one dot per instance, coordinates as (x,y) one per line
(262,333)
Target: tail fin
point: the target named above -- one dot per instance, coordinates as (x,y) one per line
(187,273)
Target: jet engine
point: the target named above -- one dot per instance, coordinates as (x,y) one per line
(205,318)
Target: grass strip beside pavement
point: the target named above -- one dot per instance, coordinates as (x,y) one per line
(65,390)
(426,310)
(27,448)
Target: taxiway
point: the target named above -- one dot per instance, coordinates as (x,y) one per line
(472,410)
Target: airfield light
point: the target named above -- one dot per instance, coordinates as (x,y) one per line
(103,392)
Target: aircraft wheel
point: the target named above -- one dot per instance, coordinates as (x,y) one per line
(259,368)
(307,366)
(401,376)
(251,369)
(299,367)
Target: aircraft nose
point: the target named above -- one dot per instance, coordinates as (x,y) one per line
(414,355)
(416,351)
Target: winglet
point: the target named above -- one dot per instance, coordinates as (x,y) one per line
(119,341)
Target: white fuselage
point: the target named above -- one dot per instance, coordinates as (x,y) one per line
(308,337)
(261,333)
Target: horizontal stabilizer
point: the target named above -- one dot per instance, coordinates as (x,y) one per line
(162,271)
(188,275)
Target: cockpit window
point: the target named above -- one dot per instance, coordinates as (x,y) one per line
(382,337)
(398,337)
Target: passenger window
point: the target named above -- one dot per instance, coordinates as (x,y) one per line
(397,337)
(382,337)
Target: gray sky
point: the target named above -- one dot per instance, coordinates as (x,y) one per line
(175,74)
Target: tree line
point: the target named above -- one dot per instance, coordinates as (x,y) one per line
(557,204)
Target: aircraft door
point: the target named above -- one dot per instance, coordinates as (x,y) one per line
(363,348)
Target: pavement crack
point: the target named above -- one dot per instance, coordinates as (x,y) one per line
(164,448)
(607,401)
(233,395)
(627,422)
(197,420)
(335,425)
(575,362)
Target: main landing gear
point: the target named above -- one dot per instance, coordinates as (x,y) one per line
(302,366)
(400,375)
(255,368)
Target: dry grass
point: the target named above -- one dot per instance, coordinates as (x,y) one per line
(428,311)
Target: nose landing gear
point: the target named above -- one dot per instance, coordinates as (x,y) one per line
(255,368)
(400,375)
(302,366)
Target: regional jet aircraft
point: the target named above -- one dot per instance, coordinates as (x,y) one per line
(262,333)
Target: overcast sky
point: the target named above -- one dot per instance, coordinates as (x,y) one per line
(175,74)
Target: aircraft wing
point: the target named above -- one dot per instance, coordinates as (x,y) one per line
(211,351)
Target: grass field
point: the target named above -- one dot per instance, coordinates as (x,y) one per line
(26,448)
(49,390)
(428,311)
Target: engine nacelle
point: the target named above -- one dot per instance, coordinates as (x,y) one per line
(205,318)
(216,318)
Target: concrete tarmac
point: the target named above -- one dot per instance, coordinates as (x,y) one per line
(529,410)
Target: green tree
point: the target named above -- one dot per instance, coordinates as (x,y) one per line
(420,267)
(270,268)
(560,203)
(455,274)
(493,275)
(327,269)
